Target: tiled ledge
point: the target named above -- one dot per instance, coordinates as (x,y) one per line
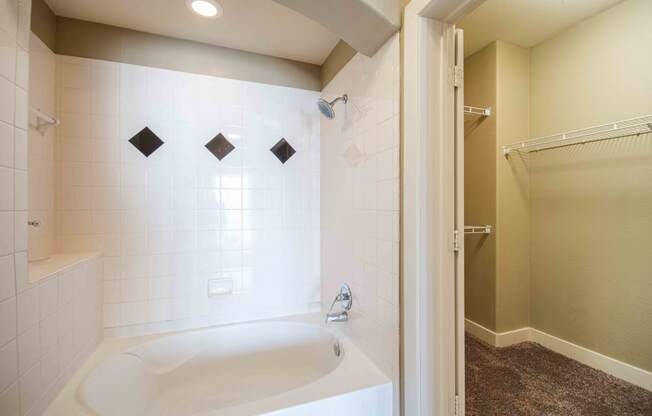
(42,269)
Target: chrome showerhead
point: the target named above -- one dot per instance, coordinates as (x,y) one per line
(326,108)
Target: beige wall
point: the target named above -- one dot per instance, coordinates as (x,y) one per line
(44,23)
(341,54)
(97,41)
(93,40)
(480,188)
(496,192)
(591,205)
(512,211)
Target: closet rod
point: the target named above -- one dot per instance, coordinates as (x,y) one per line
(630,127)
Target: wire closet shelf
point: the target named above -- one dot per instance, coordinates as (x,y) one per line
(478,229)
(477,111)
(630,127)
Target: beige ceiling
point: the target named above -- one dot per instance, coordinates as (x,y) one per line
(261,26)
(525,22)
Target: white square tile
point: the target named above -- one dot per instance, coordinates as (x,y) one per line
(10,401)
(7,100)
(68,281)
(134,290)
(111,291)
(9,17)
(22,275)
(50,368)
(30,388)
(7,56)
(111,315)
(6,233)
(28,309)
(6,145)
(6,189)
(8,364)
(20,190)
(133,313)
(20,149)
(7,277)
(75,75)
(20,231)
(49,297)
(49,334)
(22,68)
(74,126)
(29,349)
(21,109)
(75,101)
(24,19)
(7,320)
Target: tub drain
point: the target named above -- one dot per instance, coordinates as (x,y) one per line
(337,349)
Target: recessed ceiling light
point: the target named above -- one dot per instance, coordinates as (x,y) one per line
(205,8)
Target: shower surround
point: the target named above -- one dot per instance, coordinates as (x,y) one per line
(171,224)
(360,203)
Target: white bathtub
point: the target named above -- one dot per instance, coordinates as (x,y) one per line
(271,368)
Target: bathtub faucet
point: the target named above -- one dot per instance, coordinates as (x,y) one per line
(345,298)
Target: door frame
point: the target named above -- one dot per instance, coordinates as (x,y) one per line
(432,316)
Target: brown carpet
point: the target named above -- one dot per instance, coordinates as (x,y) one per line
(530,380)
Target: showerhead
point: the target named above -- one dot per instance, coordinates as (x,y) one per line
(326,108)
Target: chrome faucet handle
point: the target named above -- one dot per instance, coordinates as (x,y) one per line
(345,297)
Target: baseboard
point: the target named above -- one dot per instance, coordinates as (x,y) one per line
(619,369)
(497,339)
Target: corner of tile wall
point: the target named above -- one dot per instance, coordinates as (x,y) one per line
(360,202)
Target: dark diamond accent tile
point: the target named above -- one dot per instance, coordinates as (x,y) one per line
(146,141)
(219,146)
(282,150)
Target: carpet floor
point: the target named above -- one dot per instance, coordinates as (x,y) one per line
(529,380)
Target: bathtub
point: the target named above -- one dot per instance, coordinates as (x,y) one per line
(267,368)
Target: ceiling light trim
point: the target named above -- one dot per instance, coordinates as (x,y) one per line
(195,7)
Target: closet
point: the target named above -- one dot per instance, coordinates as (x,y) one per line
(558,208)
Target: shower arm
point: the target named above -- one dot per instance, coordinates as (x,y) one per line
(344,98)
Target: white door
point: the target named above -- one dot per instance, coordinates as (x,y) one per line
(459,221)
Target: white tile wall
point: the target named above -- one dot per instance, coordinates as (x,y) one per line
(40,150)
(168,223)
(13,87)
(360,202)
(34,327)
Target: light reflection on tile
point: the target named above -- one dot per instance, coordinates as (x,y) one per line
(181,216)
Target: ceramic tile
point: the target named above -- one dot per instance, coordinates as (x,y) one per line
(9,18)
(21,107)
(28,309)
(6,189)
(6,145)
(359,164)
(7,56)
(30,387)
(28,349)
(6,233)
(8,364)
(10,401)
(7,320)
(20,149)
(8,101)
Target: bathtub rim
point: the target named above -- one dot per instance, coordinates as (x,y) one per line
(355,372)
